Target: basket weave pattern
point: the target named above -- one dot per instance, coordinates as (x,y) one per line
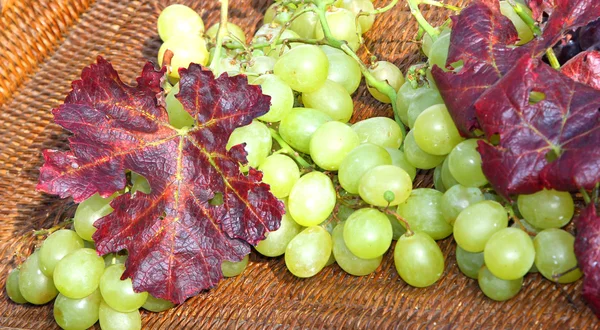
(43,47)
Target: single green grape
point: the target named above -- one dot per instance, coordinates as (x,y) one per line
(469,263)
(111,319)
(438,183)
(55,247)
(386,72)
(438,54)
(304,68)
(464,163)
(368,233)
(119,294)
(555,255)
(509,253)
(177,20)
(427,42)
(417,157)
(331,98)
(357,162)
(331,143)
(257,138)
(34,286)
(547,208)
(376,181)
(399,159)
(496,288)
(458,198)
(282,97)
(349,262)
(361,6)
(277,241)
(261,65)
(187,49)
(12,287)
(312,199)
(157,305)
(231,269)
(446,176)
(281,173)
(435,131)
(477,223)
(88,212)
(75,314)
(235,35)
(308,252)
(342,25)
(423,212)
(343,69)
(418,259)
(298,126)
(381,131)
(306,24)
(78,274)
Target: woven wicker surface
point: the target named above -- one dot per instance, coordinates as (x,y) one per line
(43,47)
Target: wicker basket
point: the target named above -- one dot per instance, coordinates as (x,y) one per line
(44,44)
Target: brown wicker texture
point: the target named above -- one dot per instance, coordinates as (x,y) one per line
(43,47)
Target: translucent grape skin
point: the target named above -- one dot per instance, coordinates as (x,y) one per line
(357,162)
(55,247)
(435,131)
(178,117)
(343,69)
(496,288)
(74,314)
(34,286)
(456,199)
(477,223)
(178,20)
(157,305)
(119,294)
(232,269)
(381,131)
(417,157)
(298,126)
(282,97)
(88,212)
(186,49)
(277,241)
(111,319)
(469,263)
(368,233)
(312,199)
(308,252)
(280,172)
(509,254)
(330,144)
(422,210)
(399,159)
(547,208)
(257,138)
(12,287)
(304,68)
(349,262)
(554,255)
(78,274)
(380,179)
(464,163)
(331,98)
(342,24)
(418,259)
(388,72)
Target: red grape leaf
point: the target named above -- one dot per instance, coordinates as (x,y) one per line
(587,250)
(584,68)
(175,238)
(565,125)
(538,7)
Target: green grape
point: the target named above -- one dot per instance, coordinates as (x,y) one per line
(368,233)
(55,247)
(547,208)
(342,24)
(34,286)
(423,212)
(139,183)
(469,263)
(308,252)
(399,159)
(438,183)
(78,274)
(397,228)
(525,33)
(358,6)
(438,54)
(178,20)
(277,241)
(554,255)
(231,269)
(418,260)
(268,34)
(119,294)
(349,262)
(477,223)
(157,305)
(230,66)
(186,48)
(111,319)
(330,144)
(464,163)
(435,132)
(343,69)
(257,138)
(88,212)
(376,181)
(114,258)
(12,287)
(427,42)
(280,172)
(526,226)
(277,14)
(261,65)
(331,98)
(75,314)
(381,131)
(358,161)
(509,253)
(312,199)
(388,72)
(458,198)
(298,126)
(496,288)
(236,34)
(411,102)
(306,24)
(417,157)
(282,97)
(446,176)
(304,68)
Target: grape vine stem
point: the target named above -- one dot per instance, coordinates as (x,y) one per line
(221,34)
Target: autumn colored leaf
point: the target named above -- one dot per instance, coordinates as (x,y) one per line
(584,68)
(587,250)
(175,238)
(553,143)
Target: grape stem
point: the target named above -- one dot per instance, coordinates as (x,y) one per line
(288,150)
(586,196)
(409,232)
(526,17)
(440,4)
(221,34)
(514,218)
(380,10)
(43,232)
(416,12)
